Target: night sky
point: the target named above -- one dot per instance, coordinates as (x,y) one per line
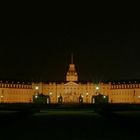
(106,49)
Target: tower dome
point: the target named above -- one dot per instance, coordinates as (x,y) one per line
(71,74)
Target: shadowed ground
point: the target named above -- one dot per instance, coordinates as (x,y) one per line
(69,125)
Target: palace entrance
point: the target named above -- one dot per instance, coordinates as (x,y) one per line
(71,99)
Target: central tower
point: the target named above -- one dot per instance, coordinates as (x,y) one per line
(71,74)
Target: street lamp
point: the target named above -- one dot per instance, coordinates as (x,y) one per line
(36,92)
(97,90)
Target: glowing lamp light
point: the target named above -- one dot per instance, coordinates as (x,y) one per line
(139,96)
(36,87)
(1,96)
(36,96)
(104,96)
(50,93)
(97,88)
(87,93)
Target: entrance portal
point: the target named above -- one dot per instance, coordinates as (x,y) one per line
(71,99)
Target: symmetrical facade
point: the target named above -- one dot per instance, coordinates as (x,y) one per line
(70,91)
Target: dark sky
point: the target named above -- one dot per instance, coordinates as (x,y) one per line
(106,49)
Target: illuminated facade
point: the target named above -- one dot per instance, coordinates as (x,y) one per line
(15,92)
(70,91)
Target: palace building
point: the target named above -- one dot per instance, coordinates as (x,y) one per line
(70,91)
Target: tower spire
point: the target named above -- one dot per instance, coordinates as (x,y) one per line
(72,58)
